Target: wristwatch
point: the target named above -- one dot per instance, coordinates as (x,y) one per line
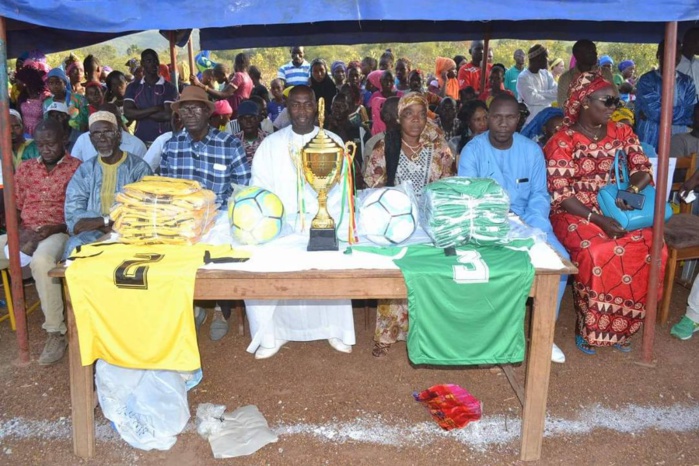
(106,220)
(634,188)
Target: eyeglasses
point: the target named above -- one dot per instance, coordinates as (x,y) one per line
(190,110)
(103,134)
(609,101)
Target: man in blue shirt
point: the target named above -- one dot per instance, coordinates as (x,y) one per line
(518,165)
(297,71)
(213,158)
(202,153)
(512,74)
(148,101)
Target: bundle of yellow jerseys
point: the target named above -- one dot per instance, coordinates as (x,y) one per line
(160,210)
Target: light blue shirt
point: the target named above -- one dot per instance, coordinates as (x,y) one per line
(520,170)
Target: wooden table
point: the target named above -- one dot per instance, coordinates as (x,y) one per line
(333,284)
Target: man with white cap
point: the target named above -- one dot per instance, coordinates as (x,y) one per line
(94,186)
(22,149)
(535,85)
(59,111)
(83,149)
(213,158)
(40,188)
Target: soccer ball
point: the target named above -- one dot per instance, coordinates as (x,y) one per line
(256,215)
(388,216)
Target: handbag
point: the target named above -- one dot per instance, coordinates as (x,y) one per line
(628,219)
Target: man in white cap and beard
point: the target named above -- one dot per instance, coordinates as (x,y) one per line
(91,192)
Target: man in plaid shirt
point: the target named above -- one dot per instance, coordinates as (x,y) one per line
(202,153)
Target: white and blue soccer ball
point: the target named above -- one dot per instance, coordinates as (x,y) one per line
(256,215)
(388,217)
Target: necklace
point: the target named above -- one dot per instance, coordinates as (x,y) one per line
(594,135)
(414,148)
(414,151)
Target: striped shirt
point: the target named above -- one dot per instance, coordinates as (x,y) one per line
(295,75)
(215,162)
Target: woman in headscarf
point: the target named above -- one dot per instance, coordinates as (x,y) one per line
(61,91)
(339,72)
(627,70)
(473,116)
(418,153)
(322,85)
(609,290)
(378,98)
(31,97)
(76,74)
(544,125)
(557,67)
(445,71)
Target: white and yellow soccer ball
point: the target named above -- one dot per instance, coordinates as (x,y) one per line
(388,216)
(256,215)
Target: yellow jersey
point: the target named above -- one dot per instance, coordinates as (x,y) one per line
(133,304)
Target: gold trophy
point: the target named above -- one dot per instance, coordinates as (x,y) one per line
(322,165)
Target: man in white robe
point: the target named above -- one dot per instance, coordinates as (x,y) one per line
(535,85)
(275,322)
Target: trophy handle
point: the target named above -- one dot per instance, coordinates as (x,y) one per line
(351,149)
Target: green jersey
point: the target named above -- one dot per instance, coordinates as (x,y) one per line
(467,308)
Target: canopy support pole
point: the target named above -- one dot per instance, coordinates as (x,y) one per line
(190,51)
(661,188)
(11,219)
(484,62)
(173,60)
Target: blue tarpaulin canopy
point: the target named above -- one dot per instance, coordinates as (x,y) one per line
(53,25)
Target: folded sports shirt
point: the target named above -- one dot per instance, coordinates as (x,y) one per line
(466,305)
(133,304)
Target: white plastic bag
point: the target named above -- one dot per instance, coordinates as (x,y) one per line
(148,407)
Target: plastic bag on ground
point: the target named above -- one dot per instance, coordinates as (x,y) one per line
(240,433)
(147,407)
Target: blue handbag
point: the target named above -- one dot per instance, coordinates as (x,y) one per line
(628,219)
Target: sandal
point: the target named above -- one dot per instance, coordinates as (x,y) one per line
(380,349)
(583,345)
(624,347)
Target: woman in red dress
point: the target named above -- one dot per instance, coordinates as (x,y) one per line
(610,288)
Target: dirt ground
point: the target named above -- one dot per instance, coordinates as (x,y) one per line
(333,408)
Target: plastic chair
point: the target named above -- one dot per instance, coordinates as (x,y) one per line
(681,237)
(8,298)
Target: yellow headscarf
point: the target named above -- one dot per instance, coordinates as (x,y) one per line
(431,131)
(623,114)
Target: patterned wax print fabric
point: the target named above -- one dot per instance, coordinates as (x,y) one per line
(609,290)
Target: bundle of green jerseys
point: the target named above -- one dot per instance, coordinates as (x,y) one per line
(160,210)
(458,210)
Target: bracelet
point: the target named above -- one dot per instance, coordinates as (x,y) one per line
(589,216)
(634,188)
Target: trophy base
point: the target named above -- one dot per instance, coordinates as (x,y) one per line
(322,239)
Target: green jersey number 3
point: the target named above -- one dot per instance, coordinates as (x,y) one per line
(471,268)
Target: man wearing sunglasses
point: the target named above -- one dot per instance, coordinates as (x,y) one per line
(585,53)
(648,95)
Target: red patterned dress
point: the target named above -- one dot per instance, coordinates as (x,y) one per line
(610,288)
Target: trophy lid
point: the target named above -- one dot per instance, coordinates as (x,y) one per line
(322,143)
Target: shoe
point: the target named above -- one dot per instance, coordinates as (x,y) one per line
(583,345)
(557,355)
(624,347)
(339,346)
(199,317)
(54,349)
(380,349)
(219,326)
(264,353)
(684,329)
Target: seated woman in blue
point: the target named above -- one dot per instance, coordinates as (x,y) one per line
(517,164)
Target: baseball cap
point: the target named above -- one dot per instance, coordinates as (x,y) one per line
(58,107)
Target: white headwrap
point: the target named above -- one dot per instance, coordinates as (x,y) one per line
(103,116)
(14,112)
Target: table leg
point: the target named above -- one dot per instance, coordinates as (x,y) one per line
(539,366)
(82,395)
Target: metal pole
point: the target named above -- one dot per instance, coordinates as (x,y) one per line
(484,62)
(11,206)
(190,51)
(173,60)
(661,187)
